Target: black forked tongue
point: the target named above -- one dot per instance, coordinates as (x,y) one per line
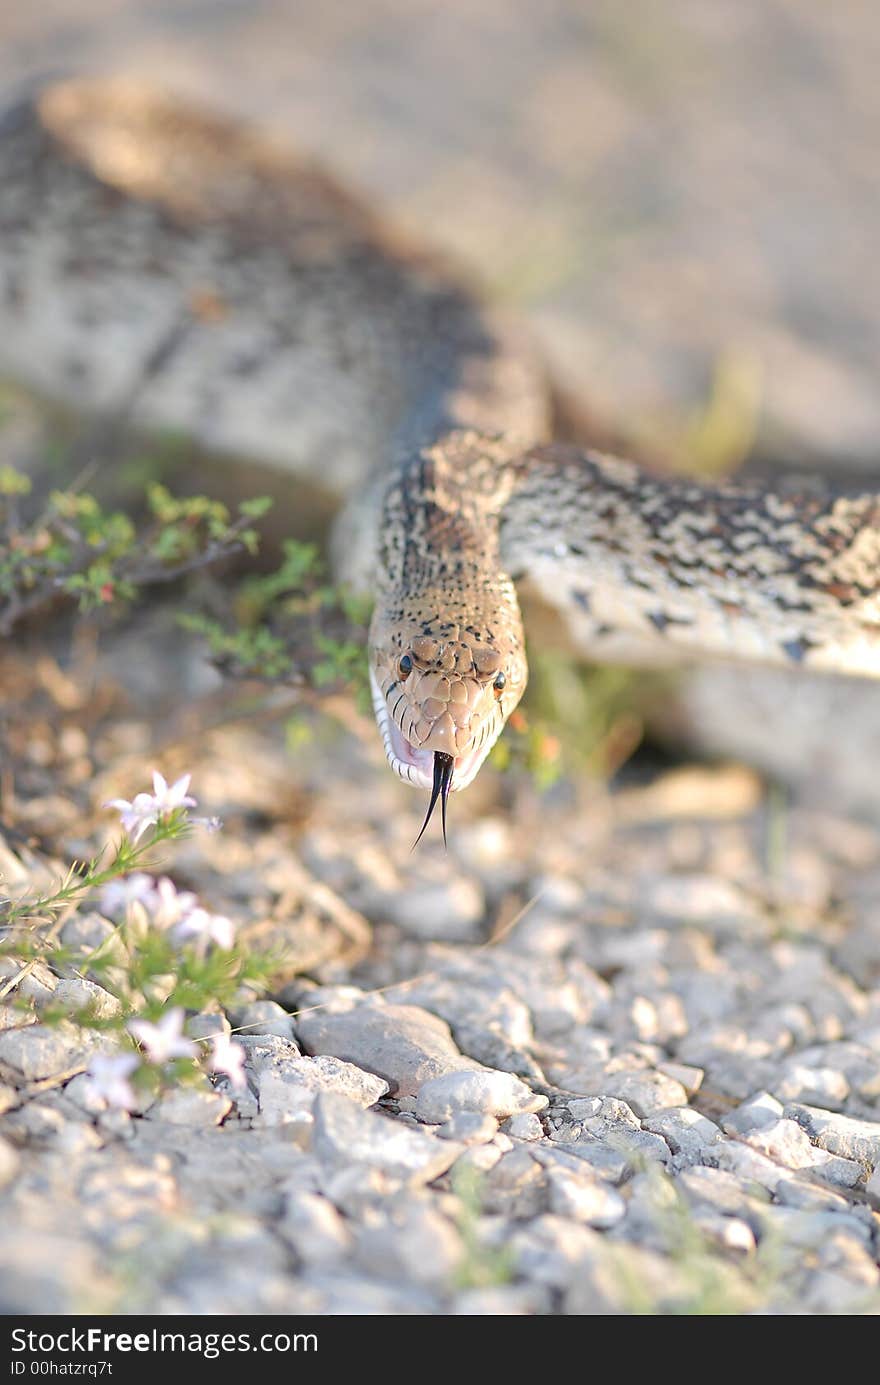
(443,767)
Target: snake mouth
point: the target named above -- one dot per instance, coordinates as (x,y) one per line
(415,764)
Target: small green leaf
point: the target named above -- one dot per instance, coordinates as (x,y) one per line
(13,482)
(256,507)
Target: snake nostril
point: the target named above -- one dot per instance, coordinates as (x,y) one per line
(405,666)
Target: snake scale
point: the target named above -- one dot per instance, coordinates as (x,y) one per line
(216,284)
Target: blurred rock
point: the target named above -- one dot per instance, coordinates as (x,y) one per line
(190,1106)
(403,1044)
(346,1135)
(263,1017)
(497,1094)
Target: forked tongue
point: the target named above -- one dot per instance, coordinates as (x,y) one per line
(443,767)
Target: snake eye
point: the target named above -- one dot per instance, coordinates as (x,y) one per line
(404,668)
(500,683)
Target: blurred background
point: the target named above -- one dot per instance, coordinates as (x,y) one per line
(682,197)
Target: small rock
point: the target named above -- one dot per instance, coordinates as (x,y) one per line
(785,1142)
(412,1243)
(755,1114)
(357,1191)
(11,1017)
(485,995)
(811,1197)
(516,1187)
(624,1135)
(524,1127)
(497,1094)
(844,1135)
(684,1130)
(552,1250)
(39,1051)
(646,1091)
(403,1044)
(587,1200)
(732,1233)
(288,1088)
(691,1078)
(823,1087)
(583,1108)
(488,1049)
(810,1230)
(747,1163)
(78,993)
(720,1189)
(613,1111)
(36,983)
(469,1127)
(313,1228)
(267,1050)
(191,1106)
(263,1017)
(346,1135)
(490,1020)
(479,1158)
(206,1025)
(842,1173)
(608,1160)
(280,1102)
(326,1073)
(36,1121)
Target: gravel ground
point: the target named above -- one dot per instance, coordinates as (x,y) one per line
(614,1053)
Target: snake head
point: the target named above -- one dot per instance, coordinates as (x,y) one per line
(443,691)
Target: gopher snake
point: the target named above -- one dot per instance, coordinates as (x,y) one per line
(225,289)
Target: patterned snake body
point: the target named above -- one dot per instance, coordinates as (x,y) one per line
(208,282)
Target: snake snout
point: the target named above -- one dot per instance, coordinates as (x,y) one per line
(445,738)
